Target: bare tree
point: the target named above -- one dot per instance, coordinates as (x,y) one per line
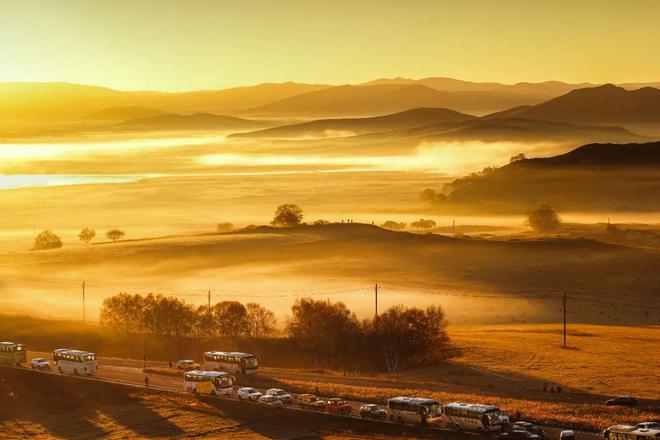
(260,320)
(123,312)
(230,318)
(423,224)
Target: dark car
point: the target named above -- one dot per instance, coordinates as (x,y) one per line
(648,425)
(526,426)
(629,401)
(519,434)
(371,411)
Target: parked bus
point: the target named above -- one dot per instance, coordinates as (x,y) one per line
(414,410)
(234,362)
(473,417)
(77,362)
(625,432)
(12,353)
(208,382)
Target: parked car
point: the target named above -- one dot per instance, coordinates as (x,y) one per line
(628,401)
(338,406)
(187,365)
(648,425)
(40,364)
(249,393)
(518,434)
(280,394)
(526,426)
(270,400)
(371,411)
(310,401)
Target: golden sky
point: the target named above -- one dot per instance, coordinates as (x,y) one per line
(200,44)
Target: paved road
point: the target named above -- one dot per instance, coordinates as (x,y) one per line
(131,371)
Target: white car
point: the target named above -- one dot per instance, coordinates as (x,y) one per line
(40,364)
(271,401)
(280,394)
(248,393)
(187,365)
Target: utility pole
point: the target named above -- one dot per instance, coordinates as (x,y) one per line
(376,299)
(209,297)
(83,299)
(453,228)
(564,308)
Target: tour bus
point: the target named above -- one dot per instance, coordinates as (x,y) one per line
(625,432)
(77,362)
(414,410)
(208,382)
(473,417)
(234,362)
(12,353)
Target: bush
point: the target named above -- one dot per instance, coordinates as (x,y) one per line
(544,219)
(47,240)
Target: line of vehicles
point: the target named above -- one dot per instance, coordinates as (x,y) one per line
(217,378)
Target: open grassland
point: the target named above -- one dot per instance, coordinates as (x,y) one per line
(476,281)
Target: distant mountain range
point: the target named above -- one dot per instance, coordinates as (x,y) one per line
(197,121)
(356,126)
(604,177)
(56,102)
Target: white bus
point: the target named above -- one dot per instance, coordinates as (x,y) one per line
(77,362)
(473,417)
(234,362)
(413,410)
(208,382)
(12,353)
(625,432)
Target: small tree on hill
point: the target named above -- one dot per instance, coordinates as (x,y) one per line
(423,224)
(114,234)
(393,226)
(87,235)
(287,215)
(47,240)
(544,219)
(225,227)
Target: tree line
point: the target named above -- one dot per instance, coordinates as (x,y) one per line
(327,332)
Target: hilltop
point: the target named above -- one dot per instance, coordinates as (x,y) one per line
(606,177)
(197,121)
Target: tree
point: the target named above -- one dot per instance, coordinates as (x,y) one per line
(287,215)
(123,312)
(544,219)
(260,321)
(225,227)
(327,330)
(393,226)
(321,222)
(517,157)
(47,240)
(230,318)
(423,224)
(87,235)
(114,234)
(411,336)
(168,316)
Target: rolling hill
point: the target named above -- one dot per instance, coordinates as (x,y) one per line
(354,126)
(380,99)
(605,104)
(60,102)
(197,121)
(595,177)
(120,114)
